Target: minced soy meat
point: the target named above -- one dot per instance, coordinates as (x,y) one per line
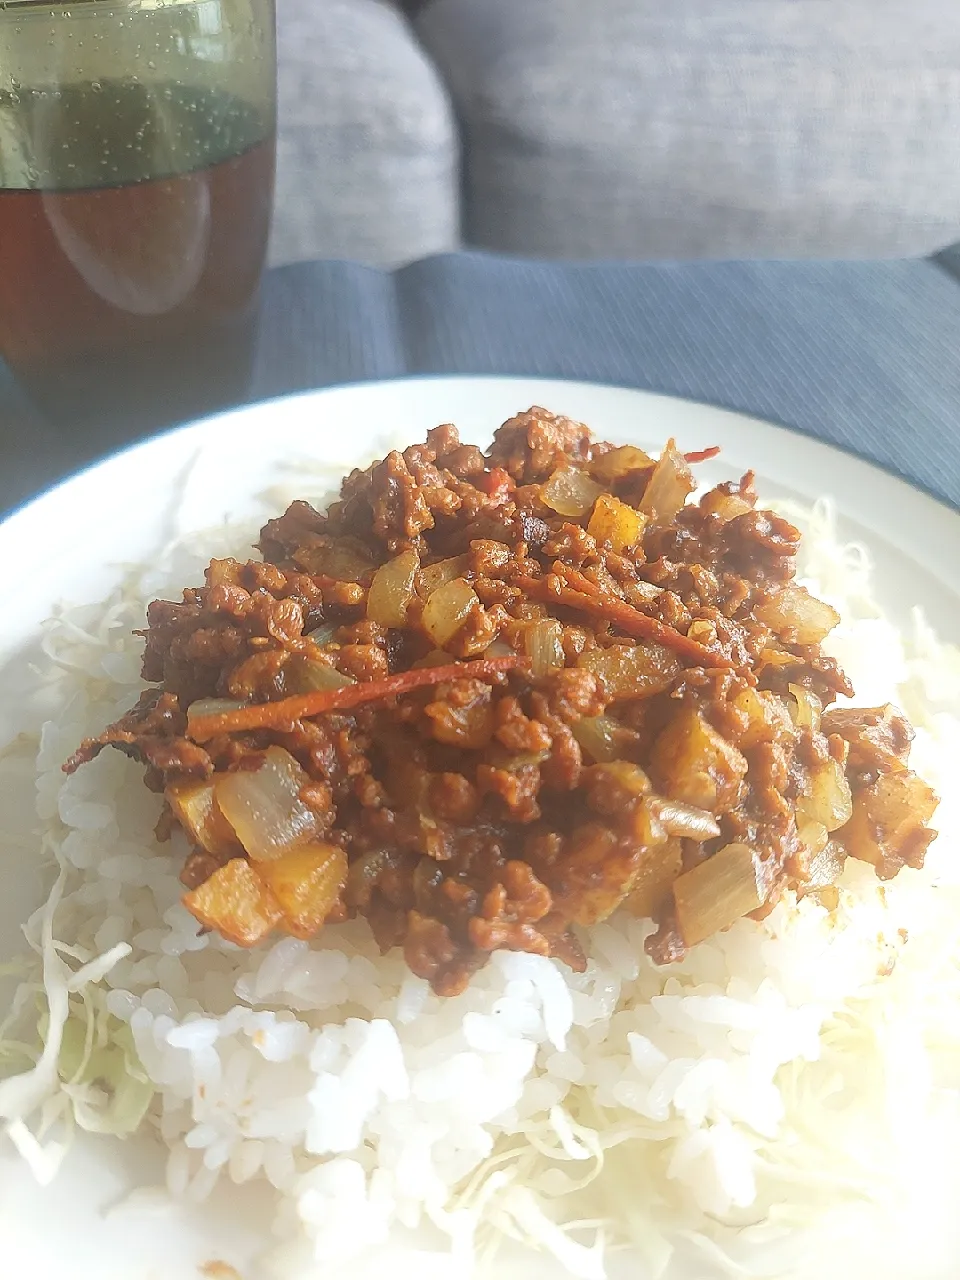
(489,698)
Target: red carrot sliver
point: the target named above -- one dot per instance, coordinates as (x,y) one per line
(574,578)
(622,615)
(496,483)
(702,455)
(280,715)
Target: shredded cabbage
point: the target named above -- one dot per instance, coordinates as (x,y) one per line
(86,1072)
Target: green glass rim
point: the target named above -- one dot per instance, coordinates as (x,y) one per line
(74,4)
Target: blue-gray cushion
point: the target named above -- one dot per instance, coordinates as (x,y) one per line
(367,151)
(684,128)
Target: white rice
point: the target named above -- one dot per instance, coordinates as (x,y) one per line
(783,1103)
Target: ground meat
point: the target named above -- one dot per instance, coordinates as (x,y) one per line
(876,735)
(597,711)
(532,445)
(152,732)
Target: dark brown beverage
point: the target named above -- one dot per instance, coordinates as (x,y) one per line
(131,252)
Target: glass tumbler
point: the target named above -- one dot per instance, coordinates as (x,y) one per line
(137,142)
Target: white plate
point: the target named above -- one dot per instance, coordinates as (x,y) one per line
(70,543)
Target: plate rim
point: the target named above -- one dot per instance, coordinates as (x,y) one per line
(21,510)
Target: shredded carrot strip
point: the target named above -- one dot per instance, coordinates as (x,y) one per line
(616,611)
(702,455)
(574,578)
(280,715)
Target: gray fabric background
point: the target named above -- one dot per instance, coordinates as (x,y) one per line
(864,355)
(367,152)
(629,128)
(719,128)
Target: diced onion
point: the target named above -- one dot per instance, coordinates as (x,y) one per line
(195,807)
(687,821)
(714,894)
(614,524)
(570,492)
(776,658)
(306,882)
(669,486)
(725,506)
(235,902)
(887,819)
(629,777)
(795,612)
(264,807)
(543,643)
(620,462)
(496,649)
(808,709)
(825,866)
(829,800)
(632,671)
(307,675)
(694,764)
(813,835)
(470,727)
(392,589)
(767,716)
(447,610)
(660,865)
(602,738)
(433,576)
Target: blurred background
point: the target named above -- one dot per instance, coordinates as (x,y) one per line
(618,128)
